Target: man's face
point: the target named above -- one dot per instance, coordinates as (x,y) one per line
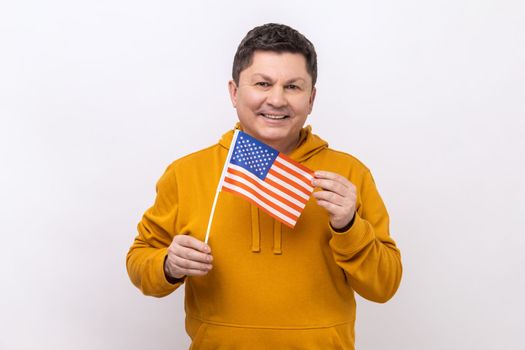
(273,98)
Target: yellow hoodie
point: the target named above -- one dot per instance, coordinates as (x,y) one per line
(271,287)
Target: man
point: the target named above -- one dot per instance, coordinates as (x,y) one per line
(259,284)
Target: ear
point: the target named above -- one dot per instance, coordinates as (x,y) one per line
(312,99)
(232,87)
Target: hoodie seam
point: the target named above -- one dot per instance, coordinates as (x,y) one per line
(235,325)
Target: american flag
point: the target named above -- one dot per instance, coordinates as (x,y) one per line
(269,179)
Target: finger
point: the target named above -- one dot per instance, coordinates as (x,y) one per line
(191,254)
(192,242)
(178,272)
(192,272)
(181,264)
(328,196)
(331,185)
(322,174)
(333,209)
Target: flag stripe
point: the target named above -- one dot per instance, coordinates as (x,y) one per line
(267,188)
(308,175)
(299,178)
(292,180)
(285,190)
(283,180)
(298,200)
(241,192)
(304,182)
(276,206)
(297,164)
(263,194)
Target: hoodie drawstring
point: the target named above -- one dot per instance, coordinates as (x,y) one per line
(256,234)
(277,237)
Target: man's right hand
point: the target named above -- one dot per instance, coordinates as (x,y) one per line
(187,256)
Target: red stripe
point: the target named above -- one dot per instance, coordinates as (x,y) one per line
(261,198)
(288,181)
(265,190)
(285,190)
(294,173)
(295,163)
(255,203)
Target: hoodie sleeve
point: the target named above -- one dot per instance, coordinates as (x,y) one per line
(145,259)
(366,252)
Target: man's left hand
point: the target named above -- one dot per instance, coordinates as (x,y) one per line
(338,197)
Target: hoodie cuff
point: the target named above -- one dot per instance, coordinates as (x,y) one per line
(345,229)
(354,238)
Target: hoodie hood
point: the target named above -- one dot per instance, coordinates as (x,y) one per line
(309,143)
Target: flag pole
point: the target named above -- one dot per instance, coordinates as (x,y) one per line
(219,186)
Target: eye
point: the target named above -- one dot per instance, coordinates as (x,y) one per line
(292,87)
(263,84)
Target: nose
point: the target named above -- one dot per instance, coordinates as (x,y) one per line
(276,97)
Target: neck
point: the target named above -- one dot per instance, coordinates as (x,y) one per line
(285,147)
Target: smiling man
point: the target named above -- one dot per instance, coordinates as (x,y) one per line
(266,285)
(273,96)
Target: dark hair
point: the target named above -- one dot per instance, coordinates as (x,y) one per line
(277,38)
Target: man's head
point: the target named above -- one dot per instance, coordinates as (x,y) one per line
(277,38)
(273,90)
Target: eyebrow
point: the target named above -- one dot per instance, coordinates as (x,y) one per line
(293,80)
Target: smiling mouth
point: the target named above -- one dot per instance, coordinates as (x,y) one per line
(274,116)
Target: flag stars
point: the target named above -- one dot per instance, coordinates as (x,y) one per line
(253,156)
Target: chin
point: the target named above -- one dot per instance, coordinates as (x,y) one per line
(268,133)
(273,135)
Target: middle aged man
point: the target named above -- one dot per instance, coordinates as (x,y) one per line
(271,287)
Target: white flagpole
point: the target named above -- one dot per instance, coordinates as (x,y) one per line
(219,186)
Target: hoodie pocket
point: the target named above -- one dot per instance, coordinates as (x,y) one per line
(217,337)
(199,336)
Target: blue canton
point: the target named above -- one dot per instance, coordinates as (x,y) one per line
(253,155)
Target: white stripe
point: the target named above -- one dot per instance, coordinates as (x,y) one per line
(269,187)
(294,167)
(265,195)
(293,178)
(259,202)
(290,187)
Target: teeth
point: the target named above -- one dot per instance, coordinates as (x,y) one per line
(269,116)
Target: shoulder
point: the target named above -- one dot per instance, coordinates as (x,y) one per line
(346,158)
(200,157)
(320,156)
(341,162)
(197,165)
(344,164)
(190,161)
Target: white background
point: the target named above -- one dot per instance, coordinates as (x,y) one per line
(98,97)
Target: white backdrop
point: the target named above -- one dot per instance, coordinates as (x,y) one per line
(98,97)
